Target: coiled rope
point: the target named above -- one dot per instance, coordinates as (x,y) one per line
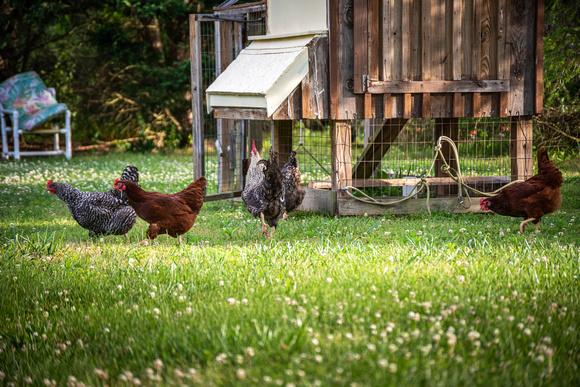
(423,185)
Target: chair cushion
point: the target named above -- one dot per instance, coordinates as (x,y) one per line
(27,94)
(42,116)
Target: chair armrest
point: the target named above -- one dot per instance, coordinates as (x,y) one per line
(52,91)
(7,111)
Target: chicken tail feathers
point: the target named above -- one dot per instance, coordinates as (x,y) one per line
(546,168)
(130,173)
(193,194)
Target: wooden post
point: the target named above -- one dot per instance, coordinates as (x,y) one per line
(341,155)
(196,108)
(521,148)
(446,127)
(224,41)
(539,96)
(282,139)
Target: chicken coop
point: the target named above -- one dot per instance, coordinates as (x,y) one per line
(362,90)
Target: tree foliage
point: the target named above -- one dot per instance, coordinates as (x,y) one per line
(123,65)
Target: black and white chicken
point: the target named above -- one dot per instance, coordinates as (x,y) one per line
(262,194)
(293,193)
(102,213)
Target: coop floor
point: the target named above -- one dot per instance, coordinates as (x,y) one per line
(443,300)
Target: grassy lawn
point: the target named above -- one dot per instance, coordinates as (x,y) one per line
(415,300)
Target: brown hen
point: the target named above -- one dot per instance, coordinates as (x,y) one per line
(531,199)
(172,214)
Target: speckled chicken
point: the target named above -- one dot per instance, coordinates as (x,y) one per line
(102,213)
(263,192)
(293,193)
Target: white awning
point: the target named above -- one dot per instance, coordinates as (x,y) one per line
(262,75)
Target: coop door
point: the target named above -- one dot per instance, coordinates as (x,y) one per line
(221,144)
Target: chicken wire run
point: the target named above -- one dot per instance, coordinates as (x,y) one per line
(389,167)
(221,36)
(388,158)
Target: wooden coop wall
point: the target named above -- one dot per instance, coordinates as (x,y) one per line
(383,65)
(435,58)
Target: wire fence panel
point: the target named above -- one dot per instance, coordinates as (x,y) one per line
(224,141)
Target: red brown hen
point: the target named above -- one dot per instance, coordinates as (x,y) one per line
(531,199)
(172,214)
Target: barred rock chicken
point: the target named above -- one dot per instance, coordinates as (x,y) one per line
(254,172)
(263,192)
(172,214)
(293,194)
(531,199)
(102,213)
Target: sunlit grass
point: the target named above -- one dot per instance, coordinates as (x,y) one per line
(441,300)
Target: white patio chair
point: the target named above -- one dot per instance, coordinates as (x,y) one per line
(26,100)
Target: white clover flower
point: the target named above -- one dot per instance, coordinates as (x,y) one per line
(221,358)
(414,316)
(383,363)
(158,364)
(473,335)
(451,339)
(101,374)
(250,352)
(241,374)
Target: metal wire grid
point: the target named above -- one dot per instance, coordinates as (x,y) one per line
(255,23)
(386,158)
(223,152)
(310,140)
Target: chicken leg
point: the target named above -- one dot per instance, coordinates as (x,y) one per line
(525,223)
(264,226)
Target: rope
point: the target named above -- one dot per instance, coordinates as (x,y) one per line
(456,175)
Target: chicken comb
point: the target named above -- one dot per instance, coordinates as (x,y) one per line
(254,149)
(49,182)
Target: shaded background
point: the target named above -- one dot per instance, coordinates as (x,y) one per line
(122,66)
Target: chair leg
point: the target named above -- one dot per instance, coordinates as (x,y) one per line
(4,136)
(16,134)
(56,138)
(68,137)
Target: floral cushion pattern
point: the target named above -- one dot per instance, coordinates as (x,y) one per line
(29,96)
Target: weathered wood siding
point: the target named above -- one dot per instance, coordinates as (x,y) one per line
(389,58)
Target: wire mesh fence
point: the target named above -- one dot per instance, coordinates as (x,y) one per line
(388,158)
(224,141)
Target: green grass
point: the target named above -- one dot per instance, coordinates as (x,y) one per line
(415,300)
